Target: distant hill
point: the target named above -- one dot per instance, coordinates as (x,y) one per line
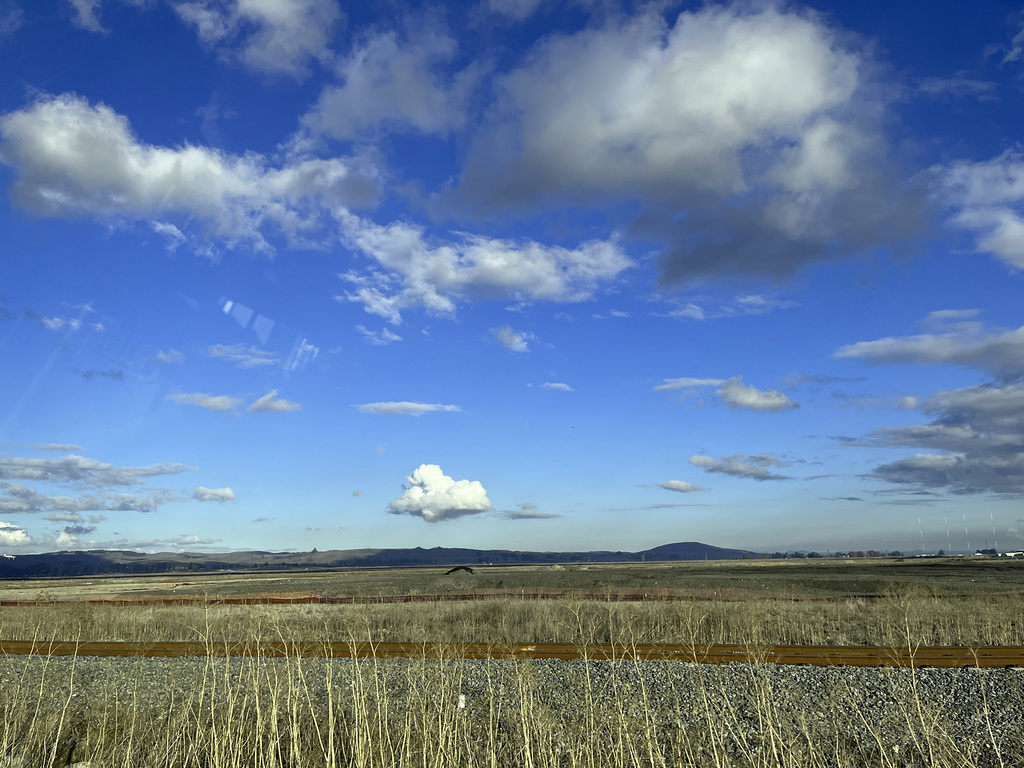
(98,562)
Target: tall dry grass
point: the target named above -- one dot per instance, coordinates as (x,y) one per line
(298,713)
(927,619)
(293,712)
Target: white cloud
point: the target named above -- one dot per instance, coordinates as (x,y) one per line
(378,338)
(12,535)
(273,36)
(63,447)
(527,511)
(86,15)
(175,236)
(209,402)
(966,343)
(686,383)
(517,341)
(1016,49)
(741,465)
(738,395)
(11,20)
(979,432)
(170,356)
(393,82)
(404,407)
(267,404)
(741,305)
(244,356)
(58,323)
(213,494)
(19,499)
(79,469)
(987,198)
(64,517)
(759,105)
(681,486)
(517,10)
(958,86)
(432,495)
(73,158)
(418,274)
(556,385)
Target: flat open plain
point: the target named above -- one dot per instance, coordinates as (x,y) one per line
(265,709)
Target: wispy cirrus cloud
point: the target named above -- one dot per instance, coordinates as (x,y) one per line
(527,511)
(734,393)
(958,340)
(380,338)
(244,356)
(269,403)
(405,407)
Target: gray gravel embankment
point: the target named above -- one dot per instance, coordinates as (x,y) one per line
(878,708)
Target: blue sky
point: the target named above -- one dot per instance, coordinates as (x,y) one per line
(284,274)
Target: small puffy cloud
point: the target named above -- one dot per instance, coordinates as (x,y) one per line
(63,447)
(79,530)
(58,323)
(680,485)
(209,402)
(243,356)
(267,404)
(378,338)
(213,494)
(432,495)
(170,356)
(738,395)
(687,383)
(404,407)
(279,37)
(64,517)
(12,535)
(741,465)
(517,341)
(963,342)
(414,272)
(556,385)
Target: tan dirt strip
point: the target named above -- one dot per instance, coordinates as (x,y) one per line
(811,655)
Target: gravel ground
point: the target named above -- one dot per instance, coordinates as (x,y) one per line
(880,709)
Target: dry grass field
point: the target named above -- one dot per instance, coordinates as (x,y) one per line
(295,712)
